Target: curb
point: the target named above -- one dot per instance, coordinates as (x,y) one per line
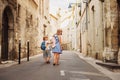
(9,63)
(91,61)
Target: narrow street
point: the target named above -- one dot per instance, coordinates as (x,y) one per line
(71,68)
(88,31)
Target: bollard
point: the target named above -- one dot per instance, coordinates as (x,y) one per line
(28,50)
(19,59)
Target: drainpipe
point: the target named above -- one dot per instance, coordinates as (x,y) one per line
(104,28)
(86,3)
(103,24)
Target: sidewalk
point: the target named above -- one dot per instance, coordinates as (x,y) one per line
(7,63)
(10,63)
(110,74)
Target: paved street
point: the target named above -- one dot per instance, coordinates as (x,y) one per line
(71,68)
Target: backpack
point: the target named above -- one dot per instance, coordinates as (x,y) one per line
(43,47)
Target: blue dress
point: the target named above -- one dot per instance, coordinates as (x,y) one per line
(57,48)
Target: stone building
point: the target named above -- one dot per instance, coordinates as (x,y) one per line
(100,28)
(92,28)
(21,22)
(53,23)
(67,30)
(112,27)
(44,17)
(72,30)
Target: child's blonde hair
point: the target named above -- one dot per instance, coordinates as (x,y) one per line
(59,31)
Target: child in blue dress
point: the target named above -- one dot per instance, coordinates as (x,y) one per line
(56,47)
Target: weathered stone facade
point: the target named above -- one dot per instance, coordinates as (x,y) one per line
(111,27)
(45,17)
(7,29)
(20,21)
(53,23)
(103,28)
(95,29)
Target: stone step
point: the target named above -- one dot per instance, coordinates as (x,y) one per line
(111,61)
(109,65)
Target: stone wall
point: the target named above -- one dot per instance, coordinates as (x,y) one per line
(118,57)
(92,37)
(111,27)
(7,6)
(95,29)
(29,26)
(26,27)
(102,30)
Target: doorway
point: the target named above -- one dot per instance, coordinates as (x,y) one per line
(7,34)
(118,1)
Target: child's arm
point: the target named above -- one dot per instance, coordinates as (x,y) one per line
(53,42)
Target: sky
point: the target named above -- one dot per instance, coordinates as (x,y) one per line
(56,4)
(63,4)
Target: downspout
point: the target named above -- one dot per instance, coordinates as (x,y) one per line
(103,29)
(103,25)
